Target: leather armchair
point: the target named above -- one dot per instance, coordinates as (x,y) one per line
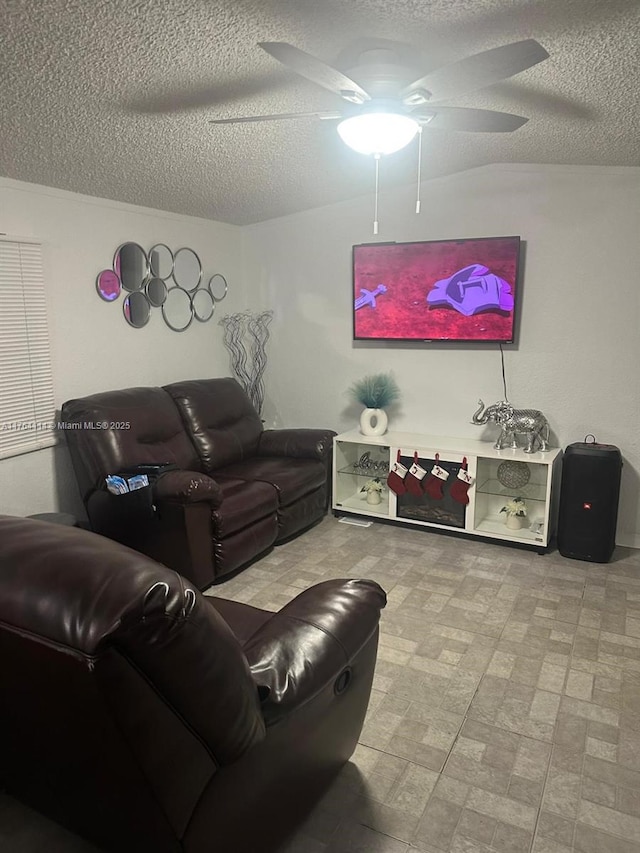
(237,489)
(150,718)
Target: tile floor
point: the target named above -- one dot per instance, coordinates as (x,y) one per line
(505,714)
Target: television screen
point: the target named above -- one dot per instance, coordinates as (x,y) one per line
(437,290)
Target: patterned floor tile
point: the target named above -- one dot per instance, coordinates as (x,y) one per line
(505,713)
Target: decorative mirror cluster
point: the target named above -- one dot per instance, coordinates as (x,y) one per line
(175,283)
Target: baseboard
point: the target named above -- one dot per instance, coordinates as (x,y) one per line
(628,540)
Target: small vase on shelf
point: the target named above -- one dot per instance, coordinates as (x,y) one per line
(515,513)
(374,392)
(372,490)
(373,422)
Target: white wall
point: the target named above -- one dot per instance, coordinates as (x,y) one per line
(93,348)
(576,357)
(578,350)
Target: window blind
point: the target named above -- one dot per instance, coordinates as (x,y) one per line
(26,382)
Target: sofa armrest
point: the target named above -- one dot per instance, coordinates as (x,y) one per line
(310,642)
(297,443)
(187,487)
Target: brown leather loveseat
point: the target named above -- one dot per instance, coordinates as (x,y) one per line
(152,719)
(235,489)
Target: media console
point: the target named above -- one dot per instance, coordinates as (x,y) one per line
(438,504)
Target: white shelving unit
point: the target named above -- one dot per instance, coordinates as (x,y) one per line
(358,458)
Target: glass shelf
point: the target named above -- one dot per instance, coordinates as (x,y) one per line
(370,473)
(358,503)
(531,492)
(495,527)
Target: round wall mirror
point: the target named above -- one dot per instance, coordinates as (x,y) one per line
(203,305)
(177,311)
(131,265)
(161,261)
(187,270)
(218,287)
(136,309)
(108,285)
(156,292)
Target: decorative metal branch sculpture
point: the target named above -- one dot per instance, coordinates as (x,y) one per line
(237,328)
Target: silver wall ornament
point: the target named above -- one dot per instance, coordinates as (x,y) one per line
(174,282)
(246,336)
(177,311)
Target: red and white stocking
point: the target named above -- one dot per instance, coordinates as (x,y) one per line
(414,478)
(434,482)
(396,478)
(460,486)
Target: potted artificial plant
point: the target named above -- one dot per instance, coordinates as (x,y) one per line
(373,490)
(516,512)
(375,393)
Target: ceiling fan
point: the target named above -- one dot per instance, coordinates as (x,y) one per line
(387,100)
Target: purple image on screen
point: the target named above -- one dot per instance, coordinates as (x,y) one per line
(368,297)
(471,290)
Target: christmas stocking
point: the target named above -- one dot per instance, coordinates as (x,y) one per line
(397,474)
(414,478)
(435,480)
(460,486)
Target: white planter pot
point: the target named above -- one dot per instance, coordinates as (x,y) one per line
(373,497)
(373,422)
(514,522)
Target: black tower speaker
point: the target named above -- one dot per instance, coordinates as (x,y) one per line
(589,501)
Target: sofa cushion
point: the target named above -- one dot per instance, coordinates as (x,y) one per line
(243,619)
(243,503)
(239,549)
(297,516)
(219,418)
(145,427)
(292,478)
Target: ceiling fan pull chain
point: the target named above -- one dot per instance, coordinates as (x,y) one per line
(419,167)
(376,157)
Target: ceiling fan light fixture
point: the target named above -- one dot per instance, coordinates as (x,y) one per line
(378,132)
(352,97)
(417,97)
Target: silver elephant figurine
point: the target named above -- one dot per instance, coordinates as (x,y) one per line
(528,422)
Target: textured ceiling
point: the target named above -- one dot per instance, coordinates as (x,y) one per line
(112,98)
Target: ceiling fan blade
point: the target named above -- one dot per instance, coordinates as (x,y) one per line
(315,70)
(470,120)
(321,114)
(476,72)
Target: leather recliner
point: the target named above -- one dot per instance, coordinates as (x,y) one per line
(236,488)
(149,718)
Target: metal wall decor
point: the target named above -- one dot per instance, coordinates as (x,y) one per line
(187,269)
(218,287)
(136,309)
(246,336)
(108,285)
(177,311)
(131,265)
(161,261)
(156,292)
(203,305)
(173,282)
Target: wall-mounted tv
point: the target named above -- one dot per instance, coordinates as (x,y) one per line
(436,290)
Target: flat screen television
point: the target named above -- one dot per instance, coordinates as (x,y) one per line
(436,290)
